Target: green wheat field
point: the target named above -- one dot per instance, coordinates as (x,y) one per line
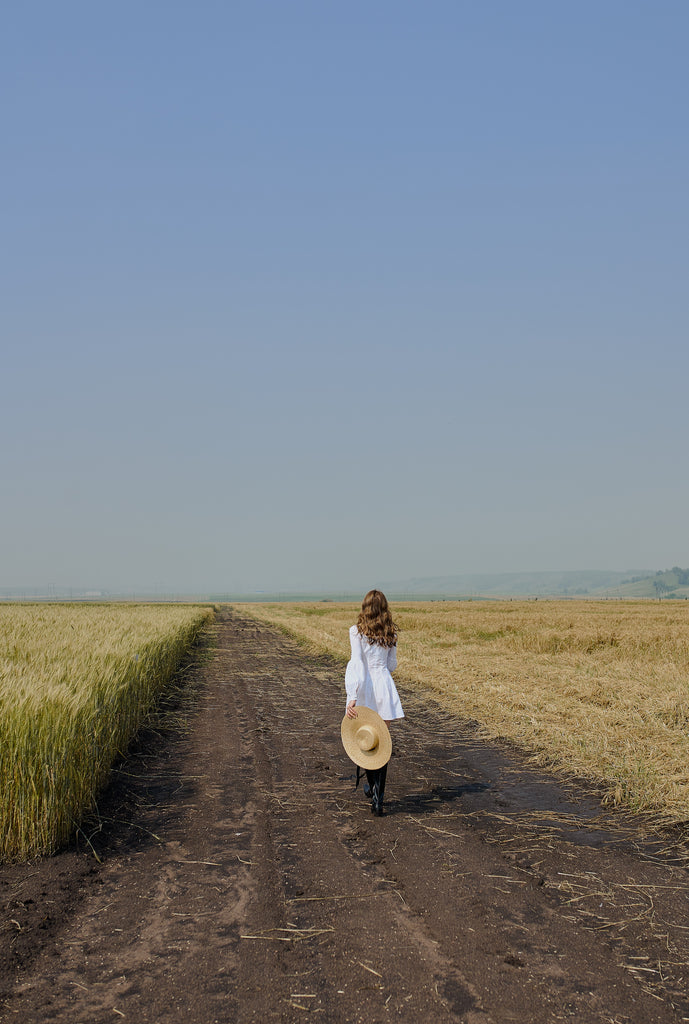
(76,683)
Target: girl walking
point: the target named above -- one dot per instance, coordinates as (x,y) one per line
(368,681)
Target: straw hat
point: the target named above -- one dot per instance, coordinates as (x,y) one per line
(366,739)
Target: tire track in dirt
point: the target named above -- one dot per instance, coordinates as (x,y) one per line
(359,936)
(252,883)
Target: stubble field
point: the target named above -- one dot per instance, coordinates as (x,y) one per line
(596,689)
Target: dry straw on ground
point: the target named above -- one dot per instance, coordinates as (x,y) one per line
(76,682)
(599,689)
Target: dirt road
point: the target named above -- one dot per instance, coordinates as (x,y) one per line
(244,879)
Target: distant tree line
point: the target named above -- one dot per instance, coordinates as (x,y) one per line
(672,578)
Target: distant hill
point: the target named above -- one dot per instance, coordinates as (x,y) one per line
(672,583)
(634,583)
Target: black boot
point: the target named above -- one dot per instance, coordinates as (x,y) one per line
(371,775)
(378,790)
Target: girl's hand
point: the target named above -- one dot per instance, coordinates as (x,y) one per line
(351,709)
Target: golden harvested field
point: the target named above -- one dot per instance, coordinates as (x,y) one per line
(76,682)
(597,689)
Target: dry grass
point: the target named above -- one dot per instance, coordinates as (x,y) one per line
(76,682)
(599,689)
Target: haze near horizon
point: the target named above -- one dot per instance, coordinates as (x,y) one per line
(314,296)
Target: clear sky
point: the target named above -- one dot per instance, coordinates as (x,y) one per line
(314,294)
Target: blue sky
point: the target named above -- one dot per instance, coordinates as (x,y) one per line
(315,295)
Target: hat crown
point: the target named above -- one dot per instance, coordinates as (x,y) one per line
(366,738)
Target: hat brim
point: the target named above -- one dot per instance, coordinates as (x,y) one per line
(379,754)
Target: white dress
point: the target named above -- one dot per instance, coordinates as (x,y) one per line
(367,677)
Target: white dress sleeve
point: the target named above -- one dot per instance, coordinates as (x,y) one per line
(355,673)
(392,658)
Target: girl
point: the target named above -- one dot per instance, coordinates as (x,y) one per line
(367,679)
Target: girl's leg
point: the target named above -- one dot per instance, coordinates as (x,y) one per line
(381,783)
(376,781)
(375,788)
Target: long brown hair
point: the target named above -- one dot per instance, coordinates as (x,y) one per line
(375,621)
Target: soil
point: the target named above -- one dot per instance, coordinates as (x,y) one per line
(235,874)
